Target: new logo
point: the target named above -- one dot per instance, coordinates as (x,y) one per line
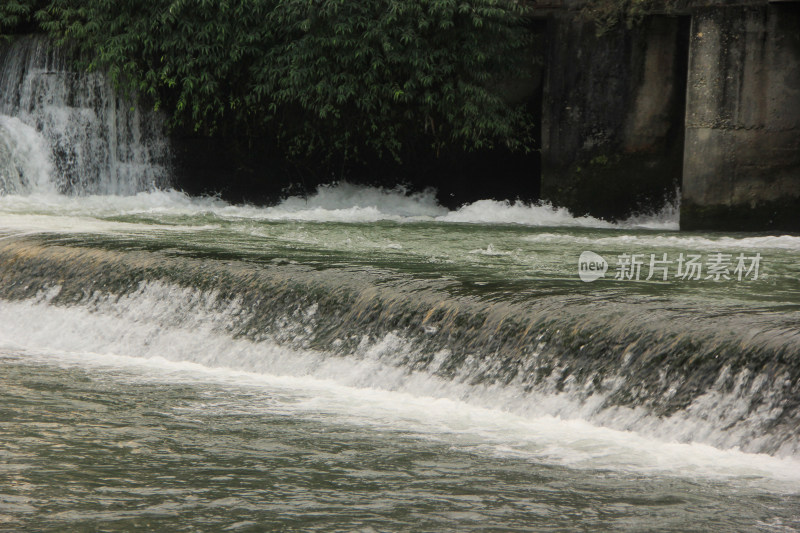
(591,266)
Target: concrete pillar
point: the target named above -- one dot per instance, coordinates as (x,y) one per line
(742,149)
(612,126)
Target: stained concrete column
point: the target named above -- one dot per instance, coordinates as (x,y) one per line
(742,149)
(612,126)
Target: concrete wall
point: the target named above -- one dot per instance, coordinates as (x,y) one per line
(612,127)
(742,150)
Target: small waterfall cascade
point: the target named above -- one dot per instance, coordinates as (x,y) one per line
(25,157)
(73,127)
(730,380)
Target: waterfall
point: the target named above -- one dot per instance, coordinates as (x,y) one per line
(25,157)
(725,379)
(96,142)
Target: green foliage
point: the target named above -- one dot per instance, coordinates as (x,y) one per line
(16,13)
(334,80)
(609,15)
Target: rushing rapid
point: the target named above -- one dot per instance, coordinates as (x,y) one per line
(364,358)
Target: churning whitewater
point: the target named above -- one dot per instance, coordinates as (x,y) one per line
(365,355)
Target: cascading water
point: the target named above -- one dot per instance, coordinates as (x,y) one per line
(364,359)
(98,142)
(24,159)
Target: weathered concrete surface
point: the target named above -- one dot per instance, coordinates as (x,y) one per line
(742,150)
(612,127)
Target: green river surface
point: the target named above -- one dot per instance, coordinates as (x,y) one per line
(344,362)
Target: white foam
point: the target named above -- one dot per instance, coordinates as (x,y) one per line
(17,225)
(666,218)
(179,334)
(490,251)
(496,212)
(157,202)
(349,202)
(641,242)
(25,163)
(343,203)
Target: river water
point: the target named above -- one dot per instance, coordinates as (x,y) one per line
(365,360)
(362,359)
